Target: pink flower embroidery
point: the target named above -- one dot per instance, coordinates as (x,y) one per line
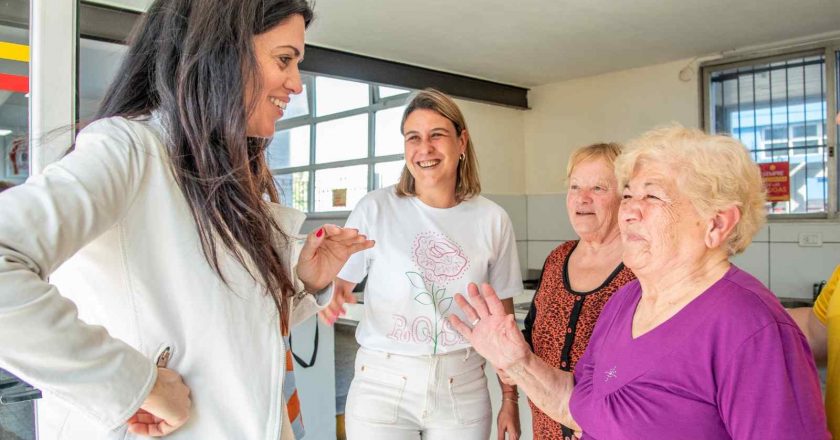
(440,259)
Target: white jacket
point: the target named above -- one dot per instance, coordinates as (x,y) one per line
(111,229)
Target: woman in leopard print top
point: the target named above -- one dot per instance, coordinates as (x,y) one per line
(579,276)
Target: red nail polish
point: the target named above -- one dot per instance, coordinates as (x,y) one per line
(319,233)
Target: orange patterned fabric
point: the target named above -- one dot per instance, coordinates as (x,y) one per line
(290,394)
(562,321)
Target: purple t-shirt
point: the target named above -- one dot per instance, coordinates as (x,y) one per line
(730,365)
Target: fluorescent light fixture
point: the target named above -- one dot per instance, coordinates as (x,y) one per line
(4,132)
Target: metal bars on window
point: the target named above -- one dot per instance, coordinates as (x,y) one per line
(782,108)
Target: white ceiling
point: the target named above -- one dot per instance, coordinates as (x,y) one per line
(534,42)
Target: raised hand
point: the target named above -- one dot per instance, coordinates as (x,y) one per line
(325,252)
(166,409)
(343,295)
(494,333)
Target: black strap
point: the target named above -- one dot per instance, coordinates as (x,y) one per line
(300,361)
(567,432)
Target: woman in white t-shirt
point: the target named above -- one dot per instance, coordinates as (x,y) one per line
(415,375)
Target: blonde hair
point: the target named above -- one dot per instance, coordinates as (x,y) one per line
(714,172)
(608,151)
(467,184)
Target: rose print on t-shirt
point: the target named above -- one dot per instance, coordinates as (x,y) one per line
(439,260)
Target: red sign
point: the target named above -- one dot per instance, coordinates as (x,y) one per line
(14,83)
(776,176)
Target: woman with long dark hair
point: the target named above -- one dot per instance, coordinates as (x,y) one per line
(163,242)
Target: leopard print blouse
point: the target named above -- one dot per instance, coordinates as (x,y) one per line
(560,323)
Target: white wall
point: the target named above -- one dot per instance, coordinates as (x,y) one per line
(316,385)
(498,136)
(611,107)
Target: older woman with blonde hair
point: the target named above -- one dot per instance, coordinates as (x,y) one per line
(415,376)
(579,276)
(695,348)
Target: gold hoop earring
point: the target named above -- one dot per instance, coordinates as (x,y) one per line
(462,156)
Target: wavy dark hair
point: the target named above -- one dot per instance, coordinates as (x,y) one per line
(191,61)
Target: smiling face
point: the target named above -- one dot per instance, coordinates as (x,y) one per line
(660,228)
(432,150)
(278,52)
(592,200)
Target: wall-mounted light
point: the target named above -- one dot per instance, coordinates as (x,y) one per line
(5,132)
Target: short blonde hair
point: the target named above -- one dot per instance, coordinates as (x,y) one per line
(714,172)
(467,184)
(608,151)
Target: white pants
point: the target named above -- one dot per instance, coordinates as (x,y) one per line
(396,397)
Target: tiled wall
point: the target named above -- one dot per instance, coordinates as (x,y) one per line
(789,269)
(516,207)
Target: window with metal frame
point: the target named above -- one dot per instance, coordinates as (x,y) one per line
(836,132)
(338,140)
(779,108)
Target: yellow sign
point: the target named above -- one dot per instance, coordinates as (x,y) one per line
(14,52)
(339,196)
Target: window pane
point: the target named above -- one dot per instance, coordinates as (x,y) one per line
(15,153)
(293,189)
(339,189)
(289,148)
(14,108)
(98,65)
(387,173)
(337,95)
(778,111)
(808,185)
(341,139)
(385,92)
(298,105)
(389,140)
